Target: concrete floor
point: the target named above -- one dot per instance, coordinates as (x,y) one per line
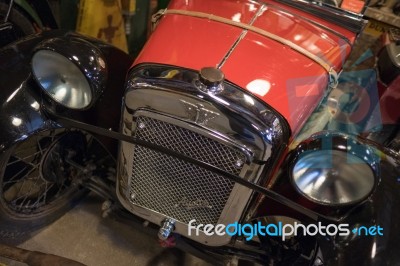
(82,235)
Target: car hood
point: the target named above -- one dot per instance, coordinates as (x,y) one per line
(288,80)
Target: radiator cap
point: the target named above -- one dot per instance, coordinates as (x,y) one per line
(212,78)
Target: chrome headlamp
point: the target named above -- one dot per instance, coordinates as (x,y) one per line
(70,70)
(337,173)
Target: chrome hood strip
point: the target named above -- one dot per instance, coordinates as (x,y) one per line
(242,35)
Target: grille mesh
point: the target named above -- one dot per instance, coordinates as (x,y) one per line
(174,187)
(189,143)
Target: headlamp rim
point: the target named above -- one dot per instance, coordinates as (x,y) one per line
(51,96)
(71,46)
(339,143)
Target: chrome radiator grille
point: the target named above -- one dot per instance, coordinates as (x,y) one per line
(173,187)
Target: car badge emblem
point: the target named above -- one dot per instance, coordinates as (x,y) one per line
(198,114)
(193,204)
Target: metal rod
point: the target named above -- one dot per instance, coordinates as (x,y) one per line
(262,190)
(10,6)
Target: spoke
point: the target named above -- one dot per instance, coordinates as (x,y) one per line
(60,188)
(24,197)
(31,171)
(12,178)
(89,139)
(20,150)
(33,145)
(22,159)
(39,146)
(28,193)
(15,200)
(23,182)
(44,194)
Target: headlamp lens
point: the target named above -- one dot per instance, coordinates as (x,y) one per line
(61,79)
(333,177)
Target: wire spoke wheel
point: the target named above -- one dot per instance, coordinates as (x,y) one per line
(37,183)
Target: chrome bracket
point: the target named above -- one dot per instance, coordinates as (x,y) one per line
(166,229)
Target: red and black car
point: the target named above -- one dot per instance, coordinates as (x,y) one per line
(232,114)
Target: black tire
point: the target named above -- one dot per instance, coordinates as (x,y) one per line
(37,184)
(23,25)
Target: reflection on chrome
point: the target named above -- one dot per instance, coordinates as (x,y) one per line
(16,121)
(248,99)
(373,251)
(13,94)
(35,105)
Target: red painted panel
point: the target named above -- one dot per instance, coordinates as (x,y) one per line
(389,102)
(188,42)
(240,10)
(291,83)
(297,12)
(287,80)
(305,34)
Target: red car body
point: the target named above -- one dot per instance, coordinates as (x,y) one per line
(285,79)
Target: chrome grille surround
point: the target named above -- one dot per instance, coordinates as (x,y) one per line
(188,191)
(235,130)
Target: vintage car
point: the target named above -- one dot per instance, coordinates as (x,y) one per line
(231,135)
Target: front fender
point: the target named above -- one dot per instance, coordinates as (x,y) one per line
(24,108)
(381,209)
(20,112)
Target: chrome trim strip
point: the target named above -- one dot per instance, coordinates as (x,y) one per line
(242,35)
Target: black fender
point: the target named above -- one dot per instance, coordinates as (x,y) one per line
(379,210)
(24,108)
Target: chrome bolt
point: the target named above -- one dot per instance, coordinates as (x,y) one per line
(133,196)
(106,205)
(166,229)
(239,163)
(318,262)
